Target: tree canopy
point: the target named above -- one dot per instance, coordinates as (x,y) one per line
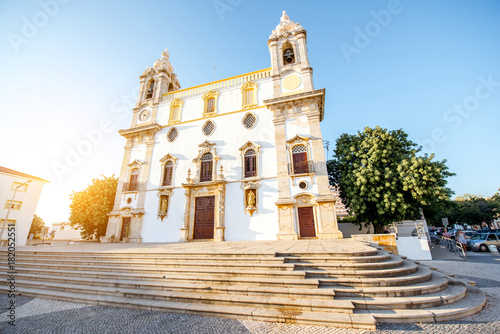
(36,226)
(381,178)
(474,209)
(90,207)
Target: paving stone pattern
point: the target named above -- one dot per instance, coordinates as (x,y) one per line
(36,315)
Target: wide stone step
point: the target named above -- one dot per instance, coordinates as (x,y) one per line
(280,314)
(209,279)
(144,260)
(406,268)
(437,283)
(159,266)
(371,252)
(422,274)
(268,301)
(382,256)
(393,262)
(473,302)
(165,285)
(454,292)
(189,270)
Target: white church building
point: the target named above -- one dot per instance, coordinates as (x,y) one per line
(236,159)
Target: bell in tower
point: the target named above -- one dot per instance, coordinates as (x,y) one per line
(288,55)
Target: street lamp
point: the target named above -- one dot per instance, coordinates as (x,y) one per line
(10,207)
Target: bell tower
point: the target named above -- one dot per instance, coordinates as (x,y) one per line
(291,70)
(155,82)
(297,111)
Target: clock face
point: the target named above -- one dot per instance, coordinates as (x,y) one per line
(144,115)
(292,82)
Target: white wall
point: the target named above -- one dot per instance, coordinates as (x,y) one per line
(29,199)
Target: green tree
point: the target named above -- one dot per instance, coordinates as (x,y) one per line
(36,226)
(90,207)
(473,209)
(381,178)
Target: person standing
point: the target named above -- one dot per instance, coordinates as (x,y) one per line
(461,239)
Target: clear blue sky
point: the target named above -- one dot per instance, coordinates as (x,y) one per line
(67,68)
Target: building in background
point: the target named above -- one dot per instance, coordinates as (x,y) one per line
(27,190)
(341,210)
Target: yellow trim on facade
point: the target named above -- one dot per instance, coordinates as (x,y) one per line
(213,116)
(214,82)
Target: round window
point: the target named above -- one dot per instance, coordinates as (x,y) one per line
(172,134)
(303,185)
(208,128)
(249,120)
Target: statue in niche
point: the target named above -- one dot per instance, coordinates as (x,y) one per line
(251,199)
(164,204)
(162,212)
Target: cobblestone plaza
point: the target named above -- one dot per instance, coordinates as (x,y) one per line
(37,315)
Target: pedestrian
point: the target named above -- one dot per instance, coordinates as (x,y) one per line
(461,239)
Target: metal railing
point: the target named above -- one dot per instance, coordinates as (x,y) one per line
(302,167)
(450,244)
(132,186)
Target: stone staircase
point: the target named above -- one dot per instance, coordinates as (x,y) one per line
(353,287)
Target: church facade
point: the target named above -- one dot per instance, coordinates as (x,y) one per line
(236,159)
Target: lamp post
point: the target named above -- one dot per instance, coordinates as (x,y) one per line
(10,207)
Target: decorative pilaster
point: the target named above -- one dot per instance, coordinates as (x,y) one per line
(287,229)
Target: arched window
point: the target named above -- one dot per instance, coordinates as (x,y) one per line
(175,111)
(167,174)
(151,89)
(288,54)
(210,108)
(206,167)
(299,156)
(250,163)
(134,180)
(248,96)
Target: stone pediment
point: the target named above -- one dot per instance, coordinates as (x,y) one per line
(297,139)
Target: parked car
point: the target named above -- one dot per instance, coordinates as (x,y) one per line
(469,233)
(481,241)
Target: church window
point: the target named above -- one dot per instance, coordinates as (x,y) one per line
(210,106)
(299,156)
(175,111)
(249,153)
(167,173)
(208,128)
(250,163)
(133,185)
(249,95)
(151,89)
(210,103)
(206,167)
(168,163)
(172,134)
(288,54)
(249,120)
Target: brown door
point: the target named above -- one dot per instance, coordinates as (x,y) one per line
(306,222)
(204,218)
(125,228)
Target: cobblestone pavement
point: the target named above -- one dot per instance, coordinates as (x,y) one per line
(42,316)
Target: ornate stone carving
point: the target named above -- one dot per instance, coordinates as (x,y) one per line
(286,27)
(304,199)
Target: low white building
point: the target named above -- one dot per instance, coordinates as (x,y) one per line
(26,190)
(236,159)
